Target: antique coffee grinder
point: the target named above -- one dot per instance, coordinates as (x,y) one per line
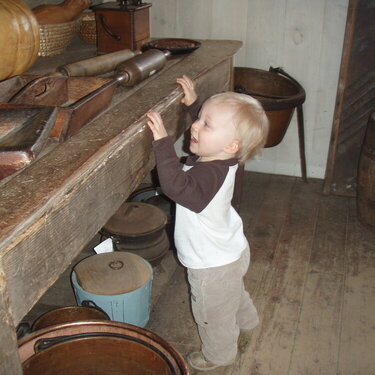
(121,25)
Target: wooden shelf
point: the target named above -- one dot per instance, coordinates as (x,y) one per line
(52,208)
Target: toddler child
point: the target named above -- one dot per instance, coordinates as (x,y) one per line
(209,237)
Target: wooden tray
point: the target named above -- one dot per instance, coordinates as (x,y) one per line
(78,99)
(23,134)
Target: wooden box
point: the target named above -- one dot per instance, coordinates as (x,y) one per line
(78,99)
(122,26)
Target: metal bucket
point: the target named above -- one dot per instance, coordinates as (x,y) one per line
(279,95)
(114,292)
(99,348)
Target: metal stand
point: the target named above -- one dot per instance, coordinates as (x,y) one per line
(301,139)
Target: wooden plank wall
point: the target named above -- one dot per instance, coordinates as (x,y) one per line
(304,37)
(355,99)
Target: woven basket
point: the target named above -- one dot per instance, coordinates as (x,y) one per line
(87,31)
(55,37)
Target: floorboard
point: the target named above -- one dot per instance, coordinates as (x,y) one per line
(312,278)
(357,342)
(283,286)
(317,339)
(263,224)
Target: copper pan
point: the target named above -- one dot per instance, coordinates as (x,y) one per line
(68,314)
(100,348)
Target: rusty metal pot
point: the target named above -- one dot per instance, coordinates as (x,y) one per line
(153,252)
(279,95)
(139,228)
(151,195)
(69,314)
(99,348)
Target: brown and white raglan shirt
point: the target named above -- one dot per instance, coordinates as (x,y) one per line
(208,230)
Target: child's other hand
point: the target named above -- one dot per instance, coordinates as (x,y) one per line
(188,86)
(156,125)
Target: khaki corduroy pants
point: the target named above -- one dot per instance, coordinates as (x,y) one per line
(221,307)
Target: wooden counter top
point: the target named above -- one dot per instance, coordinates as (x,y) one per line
(52,208)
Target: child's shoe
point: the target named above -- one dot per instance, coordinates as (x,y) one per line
(244,340)
(197,361)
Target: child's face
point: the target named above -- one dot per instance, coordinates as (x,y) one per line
(213,135)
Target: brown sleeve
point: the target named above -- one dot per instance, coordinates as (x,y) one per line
(193,189)
(236,200)
(194,109)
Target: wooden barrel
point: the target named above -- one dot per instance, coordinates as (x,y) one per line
(366,177)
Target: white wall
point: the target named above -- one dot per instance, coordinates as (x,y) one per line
(304,37)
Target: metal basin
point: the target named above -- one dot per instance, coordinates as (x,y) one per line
(68,314)
(278,94)
(100,348)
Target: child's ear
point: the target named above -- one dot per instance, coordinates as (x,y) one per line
(233,147)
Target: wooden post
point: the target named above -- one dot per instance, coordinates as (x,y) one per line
(355,100)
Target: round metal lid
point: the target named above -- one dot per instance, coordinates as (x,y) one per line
(112,273)
(136,219)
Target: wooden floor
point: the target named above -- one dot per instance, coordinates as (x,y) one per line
(312,278)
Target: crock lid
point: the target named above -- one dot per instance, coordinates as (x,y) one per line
(136,219)
(112,273)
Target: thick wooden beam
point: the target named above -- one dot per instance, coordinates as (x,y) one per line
(9,360)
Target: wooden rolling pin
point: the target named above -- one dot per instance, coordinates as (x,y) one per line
(135,70)
(84,68)
(97,65)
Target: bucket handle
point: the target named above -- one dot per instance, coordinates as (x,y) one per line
(108,29)
(278,70)
(242,90)
(46,343)
(23,329)
(282,72)
(92,304)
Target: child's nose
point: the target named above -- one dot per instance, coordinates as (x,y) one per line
(195,125)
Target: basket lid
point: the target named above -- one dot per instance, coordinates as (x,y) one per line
(136,219)
(112,273)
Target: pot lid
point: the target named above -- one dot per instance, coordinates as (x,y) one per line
(136,219)
(112,273)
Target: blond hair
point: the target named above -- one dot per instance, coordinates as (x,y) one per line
(250,120)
